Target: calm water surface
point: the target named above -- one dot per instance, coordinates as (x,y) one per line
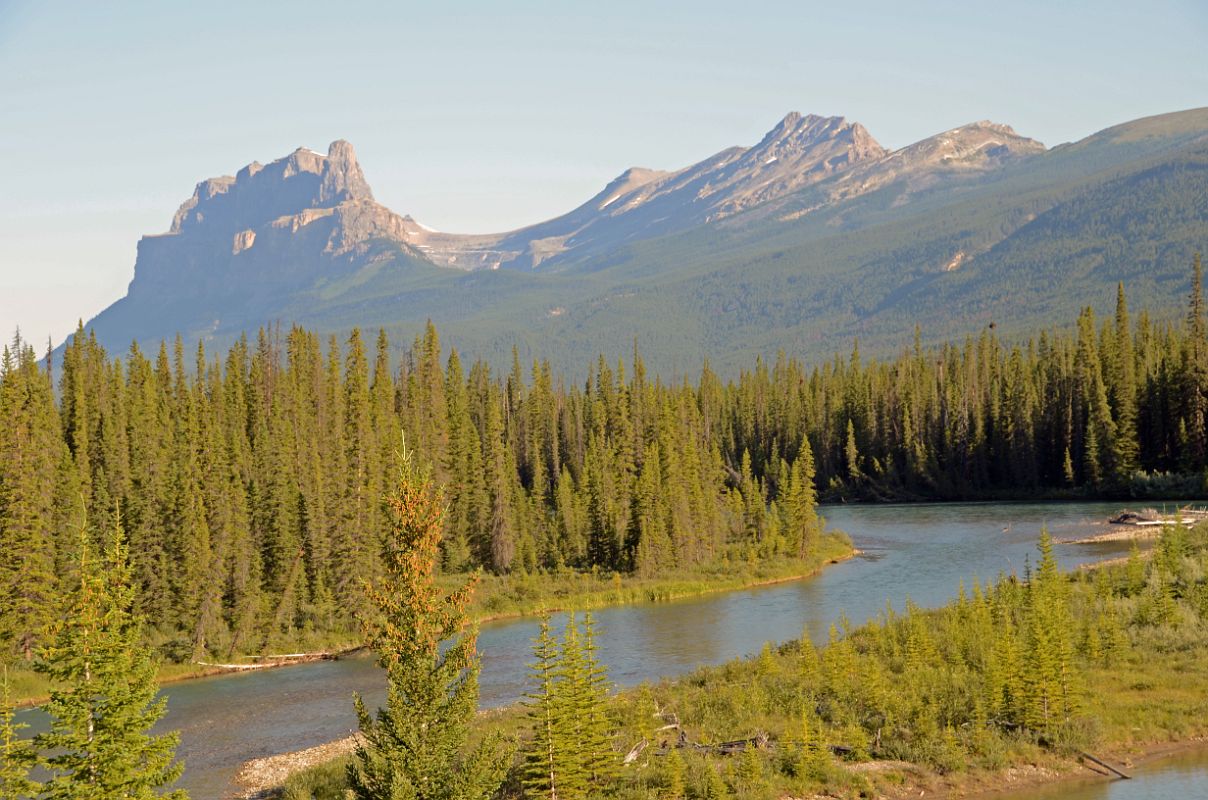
(919,552)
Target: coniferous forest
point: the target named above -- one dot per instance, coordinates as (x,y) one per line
(249,484)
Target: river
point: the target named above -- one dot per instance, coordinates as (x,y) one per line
(919,552)
(1182,776)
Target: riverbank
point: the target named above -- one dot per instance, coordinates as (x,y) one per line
(514,596)
(1145,488)
(319,769)
(903,781)
(508,597)
(264,778)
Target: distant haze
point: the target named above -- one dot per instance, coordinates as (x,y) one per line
(485,117)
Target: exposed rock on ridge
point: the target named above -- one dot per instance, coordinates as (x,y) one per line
(640,203)
(803,164)
(258,194)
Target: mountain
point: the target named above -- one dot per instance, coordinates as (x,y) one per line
(643,203)
(242,244)
(813,237)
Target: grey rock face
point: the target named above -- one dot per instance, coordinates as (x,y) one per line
(258,194)
(342,177)
(302,218)
(278,226)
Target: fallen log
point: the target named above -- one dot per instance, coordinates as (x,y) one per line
(1105,765)
(234,666)
(270,661)
(760,742)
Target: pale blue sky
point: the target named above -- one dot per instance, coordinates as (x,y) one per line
(485,116)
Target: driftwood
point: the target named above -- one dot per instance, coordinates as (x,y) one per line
(1045,742)
(760,742)
(270,661)
(1105,765)
(1187,516)
(232,666)
(636,751)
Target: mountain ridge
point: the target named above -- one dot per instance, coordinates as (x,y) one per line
(817,221)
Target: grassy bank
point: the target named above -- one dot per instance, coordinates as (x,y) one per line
(500,597)
(1002,689)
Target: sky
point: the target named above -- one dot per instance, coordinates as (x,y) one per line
(485,116)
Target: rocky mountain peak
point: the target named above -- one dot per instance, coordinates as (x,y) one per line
(303,217)
(304,179)
(342,176)
(625,183)
(977,144)
(798,133)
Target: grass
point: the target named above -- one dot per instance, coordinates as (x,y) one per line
(498,597)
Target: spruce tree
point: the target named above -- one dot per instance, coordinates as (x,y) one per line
(802,526)
(416,746)
(16,754)
(1195,371)
(572,710)
(596,729)
(30,449)
(674,789)
(1124,393)
(104,703)
(813,756)
(1049,682)
(546,754)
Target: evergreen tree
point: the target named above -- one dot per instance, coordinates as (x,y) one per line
(547,758)
(675,789)
(1195,370)
(813,757)
(416,746)
(596,729)
(1124,393)
(30,450)
(799,505)
(1049,683)
(17,755)
(104,705)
